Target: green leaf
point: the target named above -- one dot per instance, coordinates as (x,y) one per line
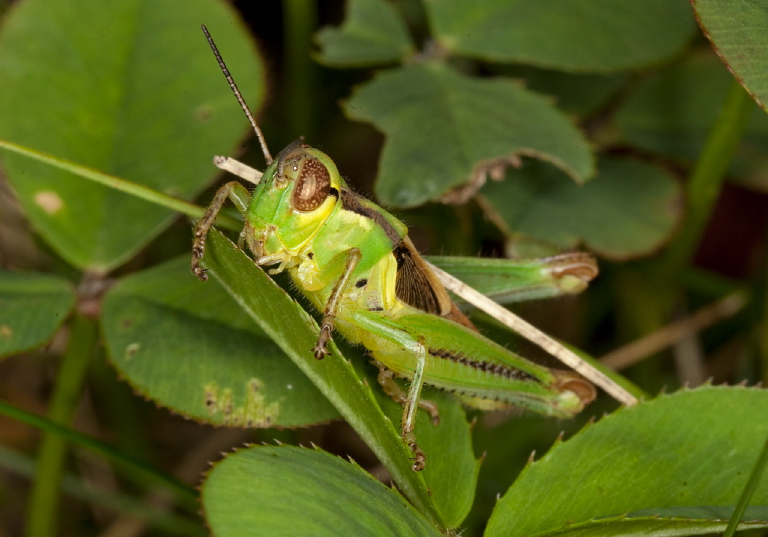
(451,472)
(124,87)
(295,332)
(509,445)
(737,29)
(629,209)
(372,34)
(32,308)
(580,94)
(574,35)
(271,490)
(163,324)
(445,130)
(663,461)
(672,111)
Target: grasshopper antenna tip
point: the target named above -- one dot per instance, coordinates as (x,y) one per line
(238,95)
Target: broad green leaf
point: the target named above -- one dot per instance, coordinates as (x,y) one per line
(187,346)
(509,445)
(372,34)
(127,87)
(286,490)
(629,209)
(451,471)
(573,35)
(32,307)
(445,131)
(295,332)
(671,112)
(646,469)
(737,29)
(578,94)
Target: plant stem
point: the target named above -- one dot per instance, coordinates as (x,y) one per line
(650,302)
(138,470)
(299,21)
(157,517)
(42,510)
(705,182)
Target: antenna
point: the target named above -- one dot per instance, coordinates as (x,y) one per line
(238,95)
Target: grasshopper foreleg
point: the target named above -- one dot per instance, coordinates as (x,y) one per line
(332,307)
(239,196)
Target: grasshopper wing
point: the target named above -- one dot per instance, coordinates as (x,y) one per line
(418,287)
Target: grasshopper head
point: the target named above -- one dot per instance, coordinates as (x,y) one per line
(297,194)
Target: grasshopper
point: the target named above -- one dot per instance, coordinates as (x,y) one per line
(355,263)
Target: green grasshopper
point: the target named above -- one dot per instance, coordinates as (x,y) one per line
(355,263)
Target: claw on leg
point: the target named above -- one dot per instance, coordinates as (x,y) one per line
(197,270)
(198,250)
(419,459)
(321,349)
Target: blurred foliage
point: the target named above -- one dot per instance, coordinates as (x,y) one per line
(505,127)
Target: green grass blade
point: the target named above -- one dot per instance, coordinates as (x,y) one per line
(749,490)
(122,185)
(136,470)
(42,510)
(160,518)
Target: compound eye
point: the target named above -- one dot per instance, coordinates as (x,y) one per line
(313,185)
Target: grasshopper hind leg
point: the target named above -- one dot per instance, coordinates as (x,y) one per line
(392,389)
(239,196)
(387,380)
(385,339)
(410,403)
